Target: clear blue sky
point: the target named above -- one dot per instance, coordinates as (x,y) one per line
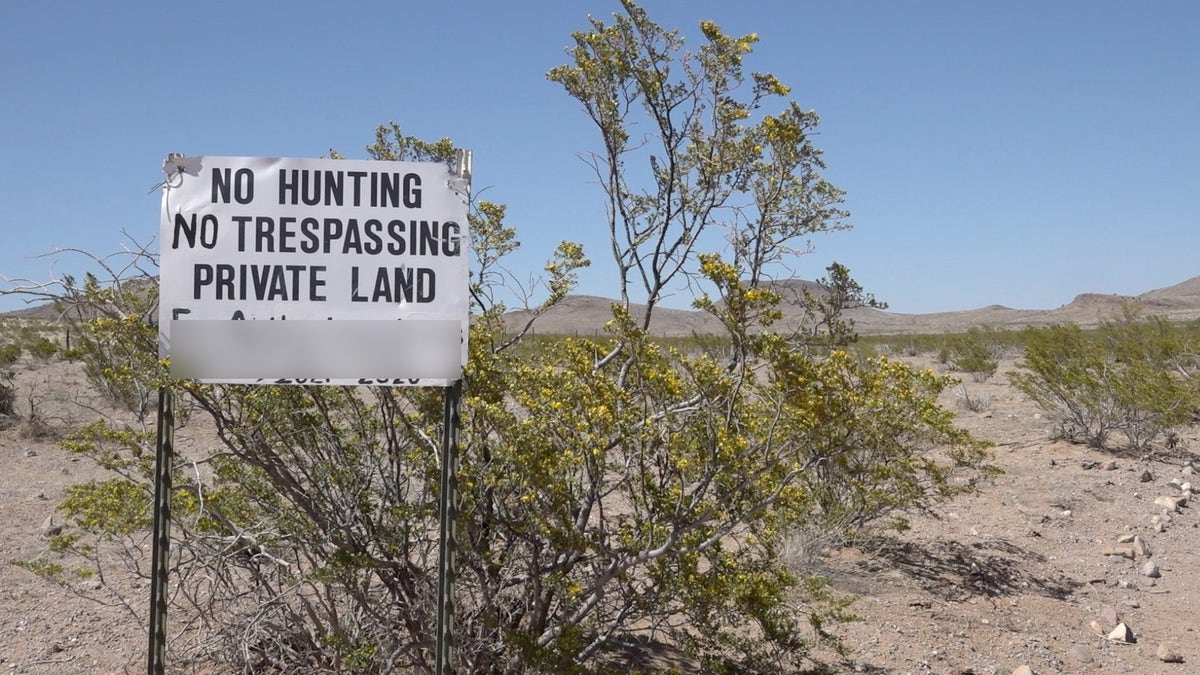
(1015,152)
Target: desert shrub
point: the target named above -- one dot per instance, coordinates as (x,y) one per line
(908,344)
(9,354)
(321,509)
(973,402)
(976,352)
(42,348)
(825,326)
(943,352)
(38,427)
(100,319)
(8,395)
(1133,376)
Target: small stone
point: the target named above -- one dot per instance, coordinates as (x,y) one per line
(1141,548)
(1176,483)
(1186,488)
(1127,585)
(1150,569)
(1122,633)
(1146,477)
(1023,670)
(1126,538)
(1119,551)
(1097,628)
(1109,614)
(49,529)
(1188,470)
(1110,465)
(1081,653)
(1170,503)
(30,452)
(1167,653)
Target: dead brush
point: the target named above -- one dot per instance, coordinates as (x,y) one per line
(976,403)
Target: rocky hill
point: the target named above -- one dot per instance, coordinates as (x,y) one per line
(586,314)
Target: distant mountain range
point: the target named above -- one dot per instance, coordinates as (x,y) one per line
(587,314)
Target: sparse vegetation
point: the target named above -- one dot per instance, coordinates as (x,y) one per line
(42,348)
(8,396)
(973,402)
(976,352)
(825,324)
(943,347)
(1133,376)
(9,354)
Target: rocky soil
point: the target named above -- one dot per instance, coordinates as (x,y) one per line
(1071,561)
(45,628)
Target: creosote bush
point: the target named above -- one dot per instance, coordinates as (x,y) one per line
(8,397)
(9,354)
(1134,376)
(614,489)
(976,352)
(42,348)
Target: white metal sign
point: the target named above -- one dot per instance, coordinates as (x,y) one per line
(313,271)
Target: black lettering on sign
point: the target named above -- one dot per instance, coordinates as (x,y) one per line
(353,241)
(242,183)
(385,380)
(286,232)
(315,282)
(299,380)
(424,237)
(265,241)
(333,232)
(412,191)
(258,282)
(374,244)
(310,227)
(241,226)
(188,228)
(394,285)
(451,236)
(324,187)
